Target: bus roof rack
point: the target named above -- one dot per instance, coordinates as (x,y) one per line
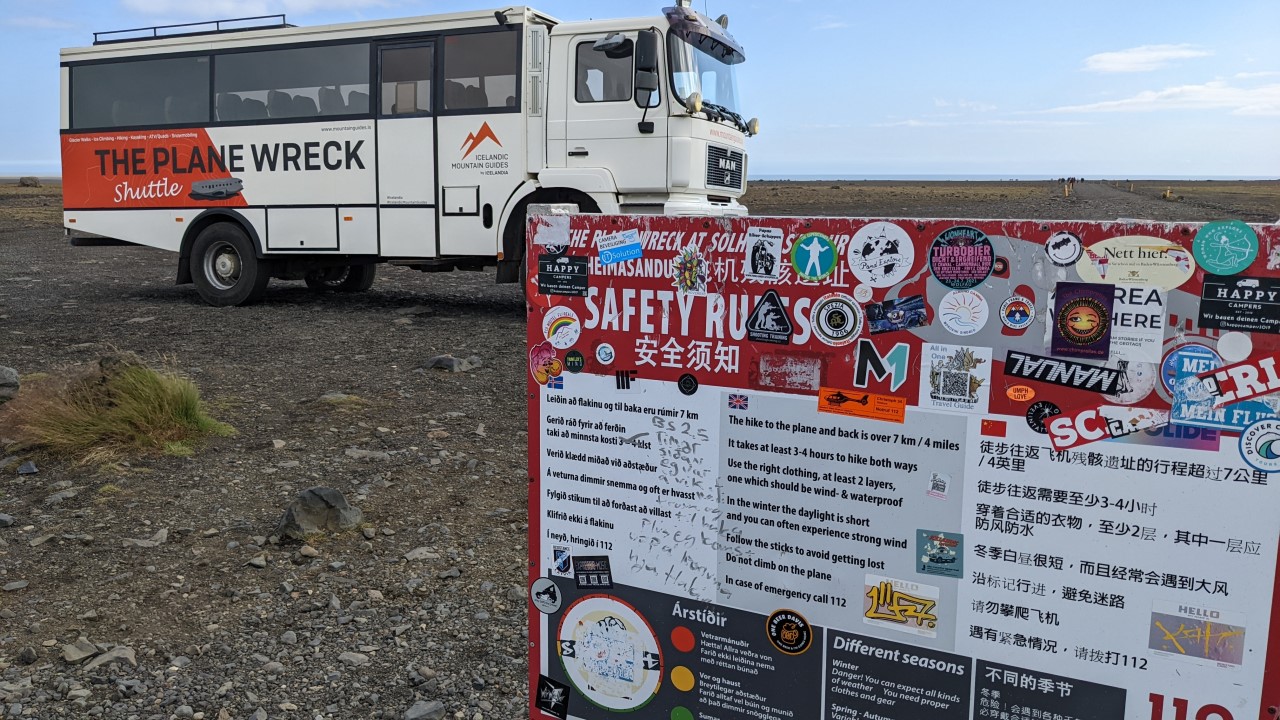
(210,27)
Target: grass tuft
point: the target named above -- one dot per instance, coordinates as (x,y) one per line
(123,409)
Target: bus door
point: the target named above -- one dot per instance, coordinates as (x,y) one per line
(406,150)
(605,110)
(482,149)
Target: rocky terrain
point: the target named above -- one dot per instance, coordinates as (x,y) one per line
(149,588)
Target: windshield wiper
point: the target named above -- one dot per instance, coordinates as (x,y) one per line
(725,113)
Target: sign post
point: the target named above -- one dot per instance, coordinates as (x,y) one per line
(839,468)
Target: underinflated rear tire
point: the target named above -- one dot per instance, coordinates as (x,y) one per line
(349,278)
(225,266)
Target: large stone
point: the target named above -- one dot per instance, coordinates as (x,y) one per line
(114,655)
(28,181)
(317,509)
(79,651)
(353,658)
(422,553)
(9,384)
(425,710)
(452,364)
(156,540)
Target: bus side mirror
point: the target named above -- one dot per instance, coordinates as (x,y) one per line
(616,46)
(646,53)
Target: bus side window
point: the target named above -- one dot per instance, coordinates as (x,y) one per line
(292,84)
(481,70)
(163,91)
(406,80)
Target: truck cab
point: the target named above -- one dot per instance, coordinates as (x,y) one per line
(648,111)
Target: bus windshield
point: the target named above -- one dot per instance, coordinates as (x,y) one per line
(693,70)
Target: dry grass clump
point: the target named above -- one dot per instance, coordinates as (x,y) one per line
(118,409)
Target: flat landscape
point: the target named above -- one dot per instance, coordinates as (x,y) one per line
(328,390)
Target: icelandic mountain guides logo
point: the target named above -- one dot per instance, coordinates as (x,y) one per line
(474,139)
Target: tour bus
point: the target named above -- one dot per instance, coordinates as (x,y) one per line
(256,149)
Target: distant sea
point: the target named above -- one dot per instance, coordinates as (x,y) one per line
(961,178)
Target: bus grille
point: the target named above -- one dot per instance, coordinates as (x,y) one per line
(724,167)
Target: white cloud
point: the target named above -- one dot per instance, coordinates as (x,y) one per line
(1142,59)
(963,104)
(242,8)
(1263,100)
(38,23)
(994,122)
(912,123)
(1258,74)
(831,25)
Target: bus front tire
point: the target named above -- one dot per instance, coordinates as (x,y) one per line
(345,279)
(225,267)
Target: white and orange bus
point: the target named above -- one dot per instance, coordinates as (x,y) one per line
(256,149)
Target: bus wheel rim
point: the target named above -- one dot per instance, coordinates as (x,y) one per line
(222,266)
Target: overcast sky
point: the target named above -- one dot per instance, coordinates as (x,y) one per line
(1093,88)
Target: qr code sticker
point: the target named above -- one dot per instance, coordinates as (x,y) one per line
(954,385)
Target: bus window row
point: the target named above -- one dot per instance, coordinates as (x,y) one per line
(480,70)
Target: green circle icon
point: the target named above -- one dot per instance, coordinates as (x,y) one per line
(1225,247)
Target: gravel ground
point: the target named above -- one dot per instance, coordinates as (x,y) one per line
(220,622)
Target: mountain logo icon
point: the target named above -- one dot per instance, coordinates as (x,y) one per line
(474,139)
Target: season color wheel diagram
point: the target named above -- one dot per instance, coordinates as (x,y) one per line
(610,653)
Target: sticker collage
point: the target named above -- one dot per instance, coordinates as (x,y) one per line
(847,468)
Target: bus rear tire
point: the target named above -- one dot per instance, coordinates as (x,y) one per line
(345,279)
(225,267)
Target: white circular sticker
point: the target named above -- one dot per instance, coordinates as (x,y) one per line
(1260,445)
(963,312)
(1017,312)
(604,354)
(561,327)
(862,293)
(837,320)
(1137,380)
(881,254)
(545,595)
(1063,248)
(1234,346)
(610,653)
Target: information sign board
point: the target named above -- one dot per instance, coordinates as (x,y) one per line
(779,468)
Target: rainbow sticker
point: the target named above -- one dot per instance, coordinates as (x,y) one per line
(561,327)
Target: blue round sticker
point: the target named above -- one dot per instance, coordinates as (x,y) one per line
(1225,247)
(813,257)
(1187,361)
